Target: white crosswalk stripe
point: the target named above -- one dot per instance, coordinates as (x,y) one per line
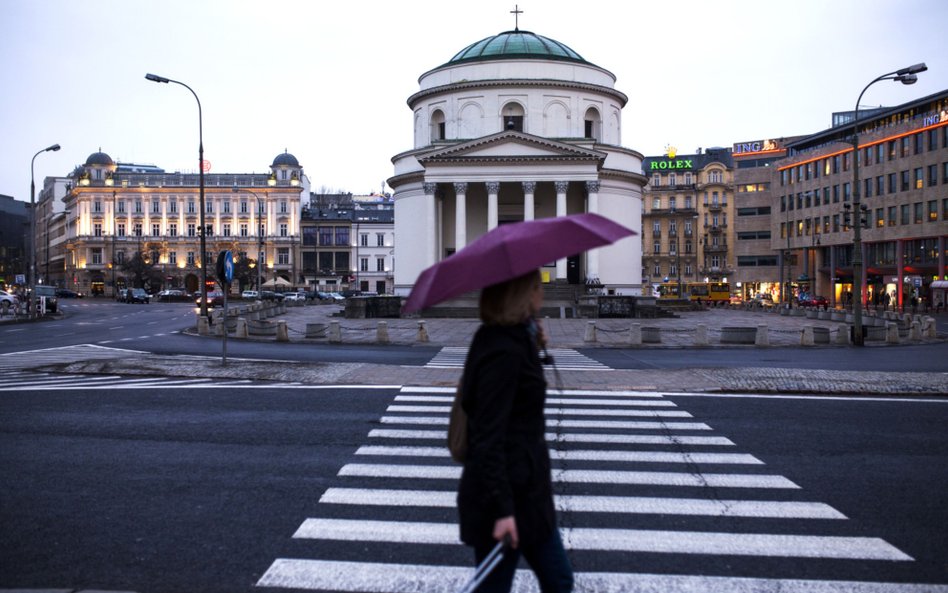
(408,467)
(566,359)
(66,354)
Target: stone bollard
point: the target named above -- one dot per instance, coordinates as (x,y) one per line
(929,329)
(590,335)
(422,332)
(254,312)
(892,333)
(203,327)
(763,336)
(701,335)
(381,332)
(219,327)
(282,335)
(635,334)
(915,333)
(241,328)
(335,333)
(842,334)
(806,338)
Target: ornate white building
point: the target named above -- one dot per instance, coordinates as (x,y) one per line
(514,127)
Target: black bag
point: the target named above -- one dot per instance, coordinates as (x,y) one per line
(457,429)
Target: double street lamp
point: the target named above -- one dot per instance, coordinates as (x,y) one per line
(31,281)
(259,232)
(905,75)
(156,78)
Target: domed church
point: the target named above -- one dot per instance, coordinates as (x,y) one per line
(516,127)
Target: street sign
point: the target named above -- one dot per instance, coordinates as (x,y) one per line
(20,279)
(225,267)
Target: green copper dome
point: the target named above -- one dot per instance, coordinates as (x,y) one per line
(516,45)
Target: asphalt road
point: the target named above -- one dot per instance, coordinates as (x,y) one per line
(203,489)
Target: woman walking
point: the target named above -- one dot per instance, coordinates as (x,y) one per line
(505,492)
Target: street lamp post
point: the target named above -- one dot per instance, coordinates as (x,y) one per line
(203,238)
(32,271)
(905,76)
(259,232)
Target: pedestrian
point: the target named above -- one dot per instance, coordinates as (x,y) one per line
(505,489)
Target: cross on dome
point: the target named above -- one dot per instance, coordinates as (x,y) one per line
(516,12)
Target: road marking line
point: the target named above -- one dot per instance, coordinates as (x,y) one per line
(592,392)
(620,424)
(371,577)
(845,398)
(622,540)
(615,456)
(638,505)
(551,401)
(558,411)
(691,480)
(619,439)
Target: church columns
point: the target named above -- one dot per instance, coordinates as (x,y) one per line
(561,187)
(460,216)
(431,253)
(529,206)
(493,188)
(592,205)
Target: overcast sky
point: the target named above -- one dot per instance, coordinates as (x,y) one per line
(329,81)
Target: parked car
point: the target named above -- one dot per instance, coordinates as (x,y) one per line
(336,296)
(250,295)
(65,293)
(215,298)
(137,295)
(813,300)
(173,295)
(6,297)
(269,295)
(762,300)
(295,296)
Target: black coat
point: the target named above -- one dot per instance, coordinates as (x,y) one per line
(507,469)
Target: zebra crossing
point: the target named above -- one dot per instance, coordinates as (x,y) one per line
(63,354)
(566,359)
(651,482)
(39,381)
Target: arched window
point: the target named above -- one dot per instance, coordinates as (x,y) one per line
(437,125)
(513,115)
(593,125)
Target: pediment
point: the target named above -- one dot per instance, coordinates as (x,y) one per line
(509,145)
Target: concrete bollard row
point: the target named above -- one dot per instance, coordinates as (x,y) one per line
(381,332)
(892,332)
(701,335)
(282,335)
(335,333)
(422,332)
(762,338)
(806,336)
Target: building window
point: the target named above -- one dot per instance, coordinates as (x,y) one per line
(226,205)
(880,185)
(919,143)
(944,209)
(657,270)
(835,194)
(363,264)
(243,229)
(906,143)
(657,248)
(173,229)
(905,180)
(656,180)
(891,217)
(96,256)
(437,125)
(284,230)
(342,236)
(97,229)
(173,206)
(173,258)
(208,207)
(325,235)
(919,179)
(156,229)
(262,231)
(191,209)
(119,257)
(283,209)
(656,228)
(672,179)
(656,203)
(121,229)
(138,206)
(380,239)
(283,256)
(121,206)
(932,175)
(97,207)
(192,229)
(190,259)
(243,206)
(880,217)
(933,211)
(892,186)
(904,214)
(918,213)
(226,228)
(155,206)
(891,150)
(380,264)
(138,229)
(363,239)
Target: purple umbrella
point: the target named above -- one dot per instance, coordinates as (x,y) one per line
(509,251)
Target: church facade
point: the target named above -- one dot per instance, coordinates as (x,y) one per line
(516,127)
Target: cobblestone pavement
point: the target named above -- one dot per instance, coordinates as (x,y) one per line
(677,332)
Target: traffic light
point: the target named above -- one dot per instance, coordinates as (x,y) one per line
(864,216)
(847,216)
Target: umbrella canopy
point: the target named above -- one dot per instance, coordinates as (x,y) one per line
(509,251)
(276,282)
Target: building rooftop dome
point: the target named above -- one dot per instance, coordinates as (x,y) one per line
(99,158)
(517,44)
(285,160)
